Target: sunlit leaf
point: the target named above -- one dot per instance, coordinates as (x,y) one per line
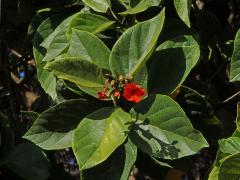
(183,8)
(99,134)
(235,61)
(163,130)
(135,46)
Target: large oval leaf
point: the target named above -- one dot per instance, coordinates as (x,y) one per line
(135,46)
(88,22)
(141,6)
(227,148)
(229,168)
(214,174)
(57,46)
(235,61)
(53,128)
(28,161)
(98,5)
(37,20)
(82,72)
(117,167)
(99,134)
(62,26)
(163,130)
(230,145)
(130,158)
(58,41)
(46,78)
(183,8)
(88,47)
(171,63)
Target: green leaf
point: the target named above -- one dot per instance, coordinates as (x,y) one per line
(141,6)
(221,156)
(99,134)
(87,75)
(238,117)
(36,21)
(230,145)
(28,161)
(183,8)
(171,63)
(229,168)
(32,115)
(160,163)
(58,41)
(135,46)
(88,22)
(235,60)
(57,46)
(117,167)
(46,78)
(214,174)
(125,3)
(88,47)
(74,88)
(130,158)
(163,130)
(61,27)
(53,128)
(98,5)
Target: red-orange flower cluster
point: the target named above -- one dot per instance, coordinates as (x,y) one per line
(133,92)
(102,95)
(116,94)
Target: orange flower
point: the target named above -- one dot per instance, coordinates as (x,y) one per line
(116,93)
(102,95)
(133,92)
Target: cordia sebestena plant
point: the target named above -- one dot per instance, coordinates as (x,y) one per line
(127,84)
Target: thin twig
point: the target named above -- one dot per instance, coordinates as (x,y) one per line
(16,53)
(232,97)
(115,17)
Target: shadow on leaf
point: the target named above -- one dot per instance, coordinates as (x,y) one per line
(142,135)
